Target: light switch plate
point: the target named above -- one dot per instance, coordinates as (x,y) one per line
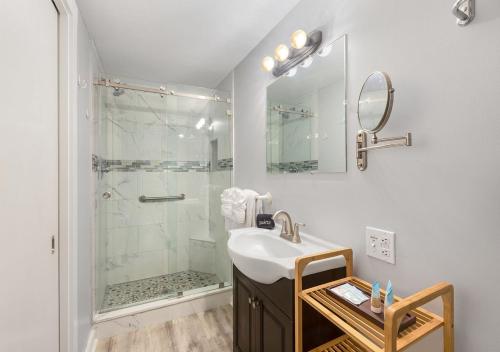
(380,244)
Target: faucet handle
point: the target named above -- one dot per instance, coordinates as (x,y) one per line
(296,232)
(297,226)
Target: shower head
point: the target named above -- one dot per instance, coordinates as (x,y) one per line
(118,91)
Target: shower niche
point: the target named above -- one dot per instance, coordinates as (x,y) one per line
(158,229)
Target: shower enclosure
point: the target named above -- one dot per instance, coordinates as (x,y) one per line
(162,157)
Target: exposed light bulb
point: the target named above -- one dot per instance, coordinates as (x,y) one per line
(281,52)
(200,123)
(267,64)
(307,62)
(298,39)
(325,51)
(292,72)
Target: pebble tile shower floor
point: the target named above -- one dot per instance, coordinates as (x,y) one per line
(164,286)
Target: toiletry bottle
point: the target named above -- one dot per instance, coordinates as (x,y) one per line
(376,303)
(389,296)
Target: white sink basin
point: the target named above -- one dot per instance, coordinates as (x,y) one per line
(265,257)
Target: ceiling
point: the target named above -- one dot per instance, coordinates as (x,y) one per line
(189,41)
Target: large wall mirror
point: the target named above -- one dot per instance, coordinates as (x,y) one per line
(306,115)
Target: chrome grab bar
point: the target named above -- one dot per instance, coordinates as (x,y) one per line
(144,199)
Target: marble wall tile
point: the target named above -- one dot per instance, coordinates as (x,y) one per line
(152,237)
(221,120)
(153,184)
(150,139)
(122,241)
(219,181)
(291,137)
(202,256)
(297,139)
(182,248)
(123,186)
(123,213)
(148,264)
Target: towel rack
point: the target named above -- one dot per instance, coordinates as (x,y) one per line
(265,197)
(144,199)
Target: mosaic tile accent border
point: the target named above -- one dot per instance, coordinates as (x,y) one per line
(294,166)
(164,286)
(105,165)
(225,164)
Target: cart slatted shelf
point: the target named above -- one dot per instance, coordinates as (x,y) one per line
(360,333)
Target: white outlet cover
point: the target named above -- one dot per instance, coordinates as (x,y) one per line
(381,244)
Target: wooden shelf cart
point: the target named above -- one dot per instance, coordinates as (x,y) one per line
(361,335)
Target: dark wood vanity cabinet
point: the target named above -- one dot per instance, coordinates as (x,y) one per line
(264,314)
(258,324)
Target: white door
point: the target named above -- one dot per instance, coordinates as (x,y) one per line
(29,308)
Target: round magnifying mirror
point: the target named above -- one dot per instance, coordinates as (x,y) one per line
(375,102)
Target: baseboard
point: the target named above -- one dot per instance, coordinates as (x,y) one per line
(91,341)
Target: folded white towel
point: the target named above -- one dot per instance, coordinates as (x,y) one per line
(240,207)
(234,205)
(251,198)
(226,210)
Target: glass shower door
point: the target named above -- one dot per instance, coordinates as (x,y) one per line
(135,244)
(158,232)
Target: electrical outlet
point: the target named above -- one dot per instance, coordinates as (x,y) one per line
(380,244)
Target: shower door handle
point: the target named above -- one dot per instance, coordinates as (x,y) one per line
(144,199)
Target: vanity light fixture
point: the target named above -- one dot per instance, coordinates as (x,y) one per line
(267,63)
(292,72)
(286,59)
(281,52)
(299,39)
(307,62)
(325,51)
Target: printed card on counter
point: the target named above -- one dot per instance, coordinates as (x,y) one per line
(350,293)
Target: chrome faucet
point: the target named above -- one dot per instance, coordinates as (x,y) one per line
(287,232)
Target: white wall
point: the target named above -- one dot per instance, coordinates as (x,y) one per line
(88,70)
(440,196)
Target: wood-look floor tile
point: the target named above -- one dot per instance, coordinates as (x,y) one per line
(210,331)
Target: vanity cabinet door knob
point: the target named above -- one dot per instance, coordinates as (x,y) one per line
(255,303)
(250,300)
